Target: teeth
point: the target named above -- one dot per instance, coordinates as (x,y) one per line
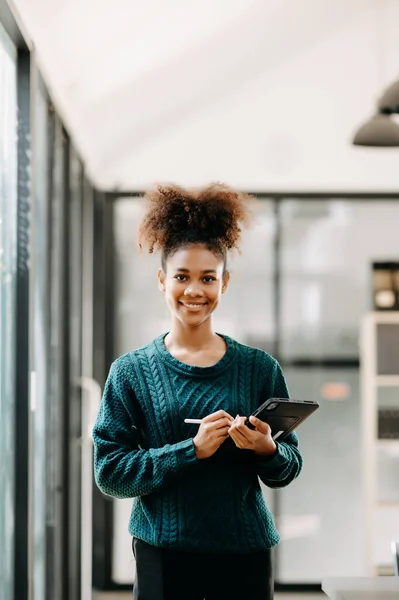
(193,305)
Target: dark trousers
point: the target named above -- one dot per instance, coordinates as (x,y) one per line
(174,575)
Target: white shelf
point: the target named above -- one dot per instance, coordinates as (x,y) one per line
(387,380)
(371,383)
(385,571)
(387,503)
(384,316)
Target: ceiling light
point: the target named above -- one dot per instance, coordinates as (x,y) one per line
(390,98)
(379,131)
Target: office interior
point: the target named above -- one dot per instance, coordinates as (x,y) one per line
(98,102)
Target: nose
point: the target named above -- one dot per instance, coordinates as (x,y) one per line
(193,289)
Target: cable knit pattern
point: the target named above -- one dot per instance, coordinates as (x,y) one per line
(144,450)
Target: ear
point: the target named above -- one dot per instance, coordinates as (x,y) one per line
(161,280)
(226,280)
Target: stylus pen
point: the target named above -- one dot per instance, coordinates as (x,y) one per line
(193,421)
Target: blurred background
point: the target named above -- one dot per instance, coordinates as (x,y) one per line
(294,102)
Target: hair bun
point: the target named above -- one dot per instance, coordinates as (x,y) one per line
(212,215)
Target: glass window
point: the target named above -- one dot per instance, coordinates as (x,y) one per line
(327,250)
(320,514)
(8,251)
(75,205)
(40,318)
(247,310)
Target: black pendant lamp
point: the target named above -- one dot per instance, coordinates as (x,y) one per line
(381,131)
(390,98)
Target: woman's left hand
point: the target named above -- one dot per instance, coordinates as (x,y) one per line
(259,439)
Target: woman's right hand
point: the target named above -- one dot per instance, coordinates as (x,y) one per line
(212,432)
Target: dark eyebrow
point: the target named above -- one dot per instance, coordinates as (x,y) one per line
(205,272)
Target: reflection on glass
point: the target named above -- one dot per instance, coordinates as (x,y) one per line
(327,251)
(8,247)
(321,512)
(40,350)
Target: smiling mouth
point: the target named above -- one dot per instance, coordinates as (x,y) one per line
(192,305)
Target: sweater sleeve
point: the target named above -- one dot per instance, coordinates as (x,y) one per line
(286,464)
(122,468)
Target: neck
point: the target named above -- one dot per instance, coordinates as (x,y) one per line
(191,338)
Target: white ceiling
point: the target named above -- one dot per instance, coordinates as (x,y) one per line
(242,90)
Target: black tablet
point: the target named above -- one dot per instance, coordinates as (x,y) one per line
(284,415)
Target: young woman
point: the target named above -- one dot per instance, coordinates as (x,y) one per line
(199,522)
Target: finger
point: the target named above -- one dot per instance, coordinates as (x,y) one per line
(260,425)
(225,422)
(221,431)
(216,416)
(234,436)
(238,437)
(233,421)
(213,433)
(244,430)
(219,442)
(238,421)
(215,425)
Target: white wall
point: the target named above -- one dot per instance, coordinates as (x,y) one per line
(288,125)
(263,95)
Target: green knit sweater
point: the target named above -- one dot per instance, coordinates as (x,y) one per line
(145,451)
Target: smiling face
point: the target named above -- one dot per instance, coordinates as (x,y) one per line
(193,283)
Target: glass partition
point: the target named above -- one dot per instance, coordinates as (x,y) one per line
(76,436)
(320,514)
(327,248)
(8,253)
(314,257)
(56,355)
(41,335)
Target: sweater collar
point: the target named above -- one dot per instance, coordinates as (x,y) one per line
(193,370)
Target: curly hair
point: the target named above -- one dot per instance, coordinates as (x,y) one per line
(176,217)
